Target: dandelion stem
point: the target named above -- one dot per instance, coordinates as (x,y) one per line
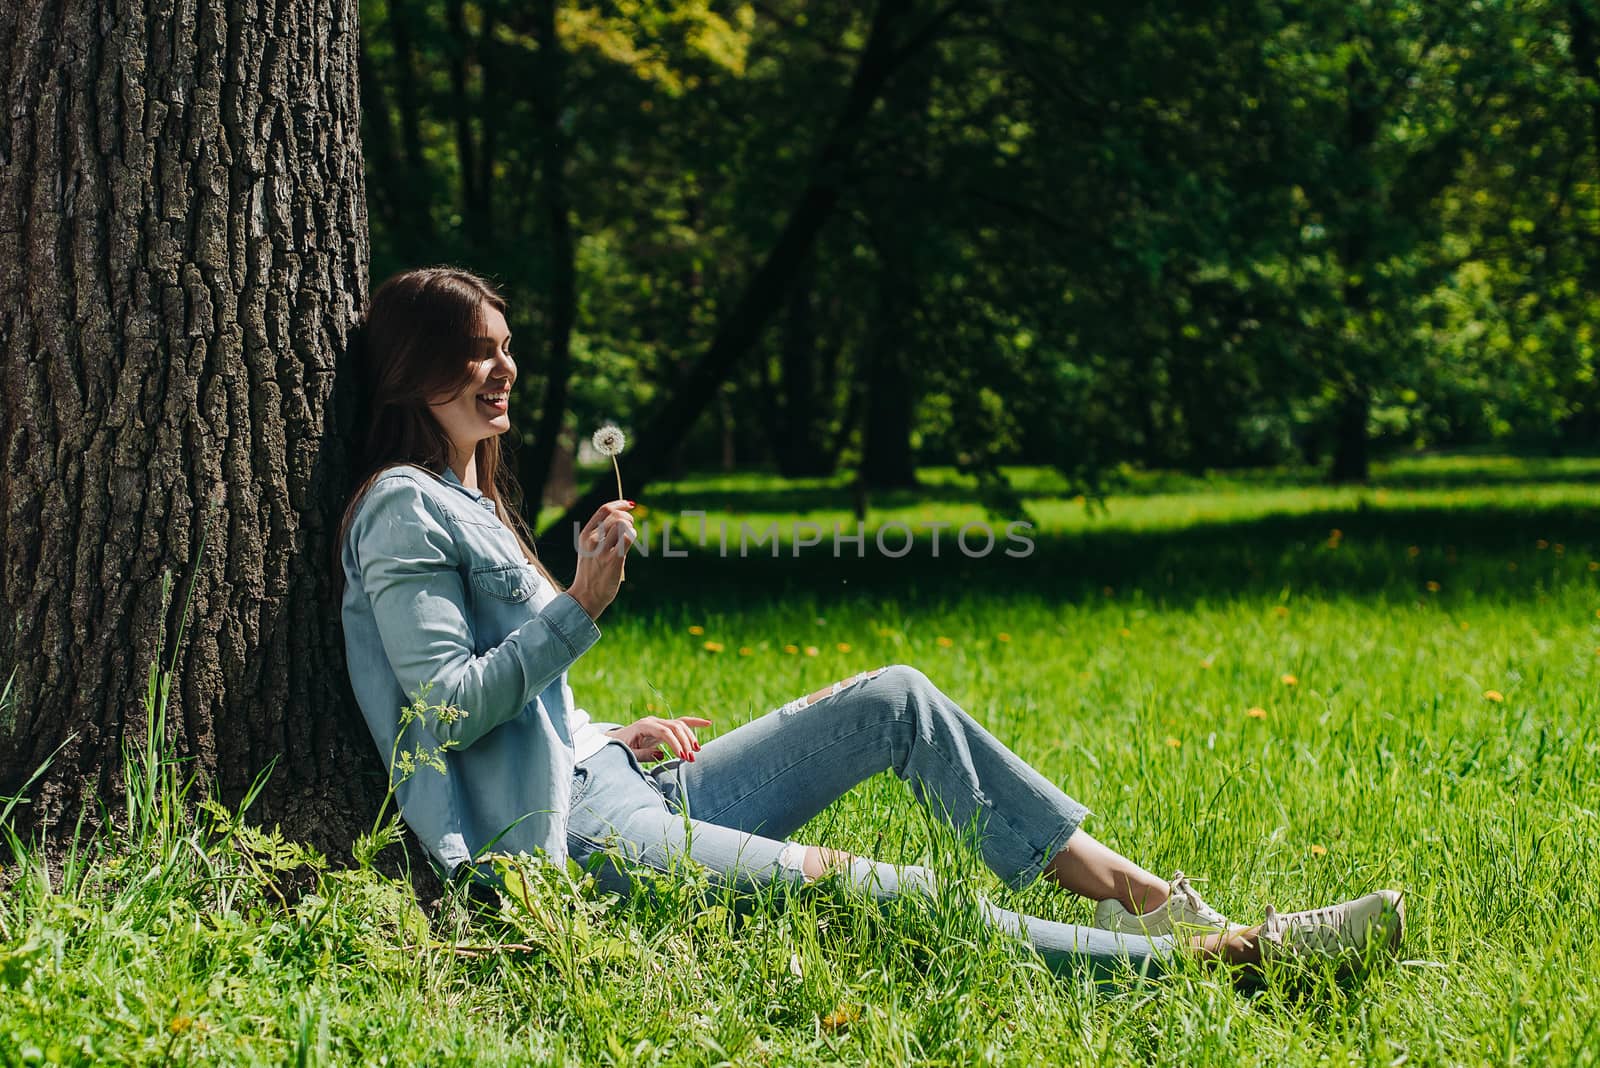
(622,573)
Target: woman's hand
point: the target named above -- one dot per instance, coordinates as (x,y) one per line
(603,544)
(653,738)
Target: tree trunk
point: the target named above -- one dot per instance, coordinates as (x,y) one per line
(183,248)
(1350,437)
(798,441)
(534,458)
(886,459)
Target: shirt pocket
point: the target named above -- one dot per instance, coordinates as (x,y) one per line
(511,583)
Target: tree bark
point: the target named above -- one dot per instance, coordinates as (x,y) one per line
(183,248)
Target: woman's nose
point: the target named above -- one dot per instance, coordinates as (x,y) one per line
(505,367)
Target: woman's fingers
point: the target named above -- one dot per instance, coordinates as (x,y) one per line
(614,535)
(610,508)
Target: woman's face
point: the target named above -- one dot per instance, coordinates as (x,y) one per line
(481,409)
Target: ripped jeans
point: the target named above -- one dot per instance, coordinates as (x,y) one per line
(733,808)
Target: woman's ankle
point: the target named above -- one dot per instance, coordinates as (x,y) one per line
(1142,893)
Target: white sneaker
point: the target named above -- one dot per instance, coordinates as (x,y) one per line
(1342,932)
(1183,913)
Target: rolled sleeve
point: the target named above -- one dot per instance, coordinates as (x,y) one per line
(410,567)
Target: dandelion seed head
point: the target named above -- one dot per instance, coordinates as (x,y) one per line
(609,440)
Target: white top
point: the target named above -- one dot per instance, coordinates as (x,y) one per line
(587,737)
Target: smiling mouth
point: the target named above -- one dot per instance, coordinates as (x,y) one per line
(497,400)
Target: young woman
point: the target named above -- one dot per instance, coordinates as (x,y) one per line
(444,600)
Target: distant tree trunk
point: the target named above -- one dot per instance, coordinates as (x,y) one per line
(1355,242)
(473,214)
(886,459)
(1586,55)
(797,429)
(1350,461)
(183,248)
(534,458)
(398,176)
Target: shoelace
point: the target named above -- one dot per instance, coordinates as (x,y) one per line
(1181,889)
(1316,929)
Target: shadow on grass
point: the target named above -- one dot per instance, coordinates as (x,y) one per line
(808,496)
(1383,554)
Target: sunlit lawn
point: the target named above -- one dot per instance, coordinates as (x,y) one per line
(1291,692)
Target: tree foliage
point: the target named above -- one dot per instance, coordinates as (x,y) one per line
(1082,235)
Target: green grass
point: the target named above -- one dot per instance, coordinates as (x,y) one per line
(1139,639)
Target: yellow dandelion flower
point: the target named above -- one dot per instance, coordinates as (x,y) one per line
(1125,632)
(649,706)
(843,647)
(1433,587)
(1465,625)
(791,648)
(1413,551)
(745,650)
(1288,680)
(1559,549)
(1594,565)
(812,650)
(1541,545)
(1256,713)
(1205,665)
(1282,611)
(1319,851)
(1336,534)
(713,647)
(180,1024)
(1494,695)
(1002,637)
(697,629)
(841,1017)
(943,642)
(1173,743)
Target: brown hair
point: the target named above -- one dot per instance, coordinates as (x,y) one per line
(415,341)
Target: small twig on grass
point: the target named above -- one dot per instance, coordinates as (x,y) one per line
(479,949)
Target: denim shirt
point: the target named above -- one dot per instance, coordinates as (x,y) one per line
(438,591)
